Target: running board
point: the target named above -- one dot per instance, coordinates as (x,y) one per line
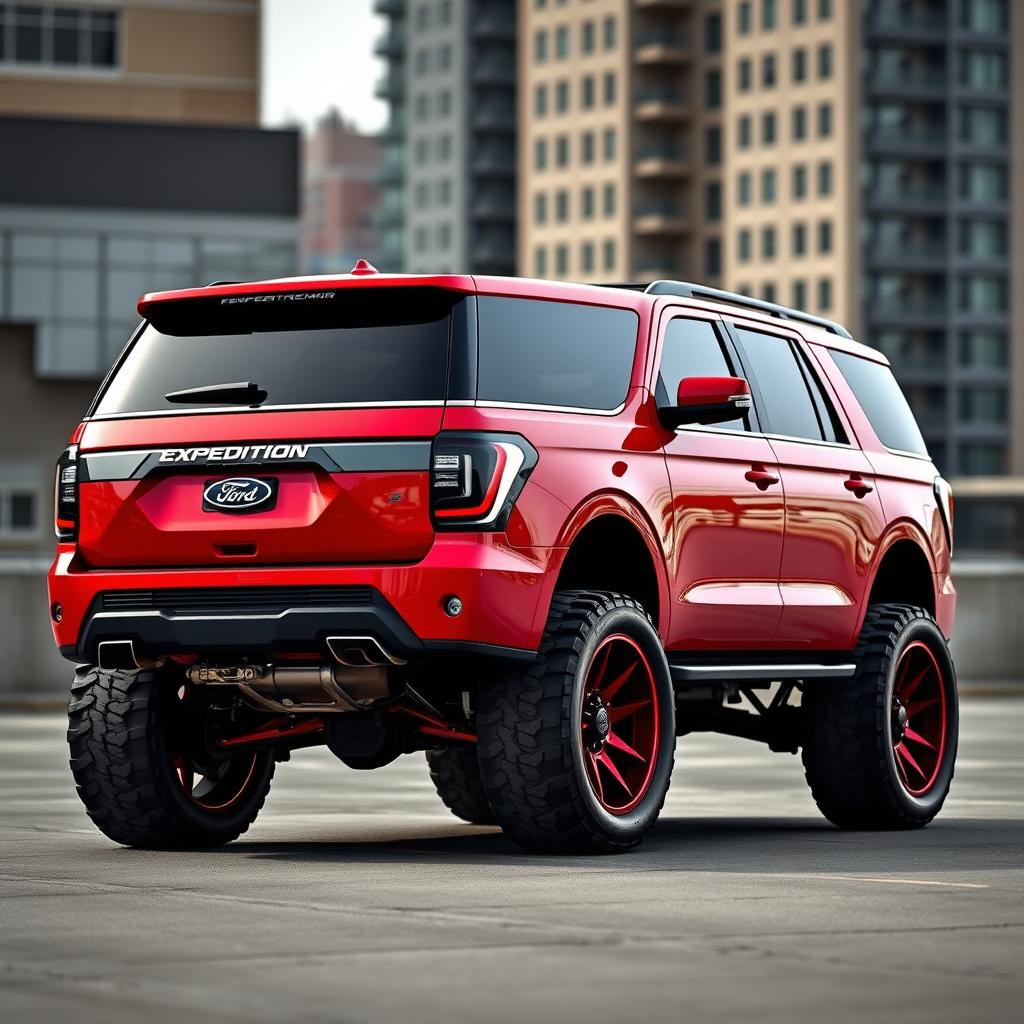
(741,673)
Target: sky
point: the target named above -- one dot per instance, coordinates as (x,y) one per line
(318,54)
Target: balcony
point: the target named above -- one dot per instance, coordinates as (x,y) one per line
(494,117)
(391,172)
(921,310)
(917,196)
(911,138)
(389,7)
(494,71)
(665,161)
(661,103)
(391,85)
(394,129)
(662,5)
(662,47)
(496,23)
(493,161)
(891,21)
(660,217)
(909,255)
(391,44)
(911,81)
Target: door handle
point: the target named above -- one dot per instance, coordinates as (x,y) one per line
(858,485)
(761,476)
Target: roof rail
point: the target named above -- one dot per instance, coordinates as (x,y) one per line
(215,284)
(699,291)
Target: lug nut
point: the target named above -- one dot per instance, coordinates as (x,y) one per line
(452,606)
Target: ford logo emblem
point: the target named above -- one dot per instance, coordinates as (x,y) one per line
(239,494)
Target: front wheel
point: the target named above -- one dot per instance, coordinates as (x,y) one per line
(145,767)
(576,752)
(880,747)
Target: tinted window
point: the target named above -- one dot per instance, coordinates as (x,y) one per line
(882,401)
(554,353)
(780,379)
(692,349)
(344,348)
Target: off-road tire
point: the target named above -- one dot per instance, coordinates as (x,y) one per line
(531,771)
(848,745)
(124,774)
(455,772)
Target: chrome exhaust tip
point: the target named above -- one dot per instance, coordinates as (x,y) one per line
(361,652)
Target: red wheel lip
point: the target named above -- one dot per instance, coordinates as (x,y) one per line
(938,738)
(653,729)
(225,805)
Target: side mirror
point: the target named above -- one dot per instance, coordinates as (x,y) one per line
(708,400)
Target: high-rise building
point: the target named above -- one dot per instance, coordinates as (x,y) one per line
(855,158)
(448,169)
(340,192)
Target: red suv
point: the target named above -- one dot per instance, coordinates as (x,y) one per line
(537,530)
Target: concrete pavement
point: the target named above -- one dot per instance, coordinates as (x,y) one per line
(356,897)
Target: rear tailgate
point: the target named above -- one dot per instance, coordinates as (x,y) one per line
(332,467)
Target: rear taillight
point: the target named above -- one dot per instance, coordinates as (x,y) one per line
(65,495)
(476,478)
(944,499)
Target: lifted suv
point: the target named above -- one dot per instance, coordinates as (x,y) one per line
(537,530)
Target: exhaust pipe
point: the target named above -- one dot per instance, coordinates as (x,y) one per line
(288,688)
(361,652)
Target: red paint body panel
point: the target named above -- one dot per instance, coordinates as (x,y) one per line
(757,542)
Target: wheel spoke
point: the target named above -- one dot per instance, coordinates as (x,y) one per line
(605,759)
(619,713)
(901,749)
(908,691)
(620,744)
(910,734)
(608,692)
(916,707)
(900,766)
(595,773)
(185,774)
(599,670)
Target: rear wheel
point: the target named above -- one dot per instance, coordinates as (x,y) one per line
(145,767)
(576,752)
(880,748)
(455,772)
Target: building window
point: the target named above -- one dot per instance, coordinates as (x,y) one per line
(562,151)
(983,126)
(825,60)
(713,33)
(746,18)
(540,154)
(799,12)
(422,106)
(983,349)
(768,185)
(713,146)
(540,100)
(824,120)
(420,239)
(444,192)
(587,203)
(983,293)
(421,198)
(444,14)
(609,254)
(713,257)
(609,144)
(799,240)
(587,257)
(444,147)
(983,183)
(64,37)
(540,47)
(743,252)
(561,42)
(422,151)
(744,75)
(561,206)
(587,37)
(824,236)
(609,88)
(799,181)
(981,458)
(768,128)
(986,404)
(540,208)
(743,132)
(444,102)
(20,505)
(561,97)
(768,291)
(422,17)
(824,294)
(713,201)
(824,178)
(609,200)
(444,57)
(587,147)
(799,293)
(799,124)
(609,33)
(768,243)
(423,62)
(713,90)
(561,260)
(768,71)
(444,236)
(983,15)
(800,64)
(587,92)
(743,190)
(768,14)
(984,239)
(824,10)
(982,70)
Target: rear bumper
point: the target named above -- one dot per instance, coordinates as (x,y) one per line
(504,591)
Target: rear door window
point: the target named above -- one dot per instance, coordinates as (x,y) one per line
(537,352)
(882,401)
(366,348)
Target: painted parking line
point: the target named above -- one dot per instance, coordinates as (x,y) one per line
(890,881)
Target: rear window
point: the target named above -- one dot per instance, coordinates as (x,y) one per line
(882,401)
(331,348)
(535,352)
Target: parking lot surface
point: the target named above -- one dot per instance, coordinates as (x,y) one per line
(356,897)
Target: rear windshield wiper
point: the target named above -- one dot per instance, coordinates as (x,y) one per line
(239,393)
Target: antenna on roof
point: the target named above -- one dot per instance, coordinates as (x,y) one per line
(362,268)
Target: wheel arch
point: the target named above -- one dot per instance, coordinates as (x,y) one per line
(903,571)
